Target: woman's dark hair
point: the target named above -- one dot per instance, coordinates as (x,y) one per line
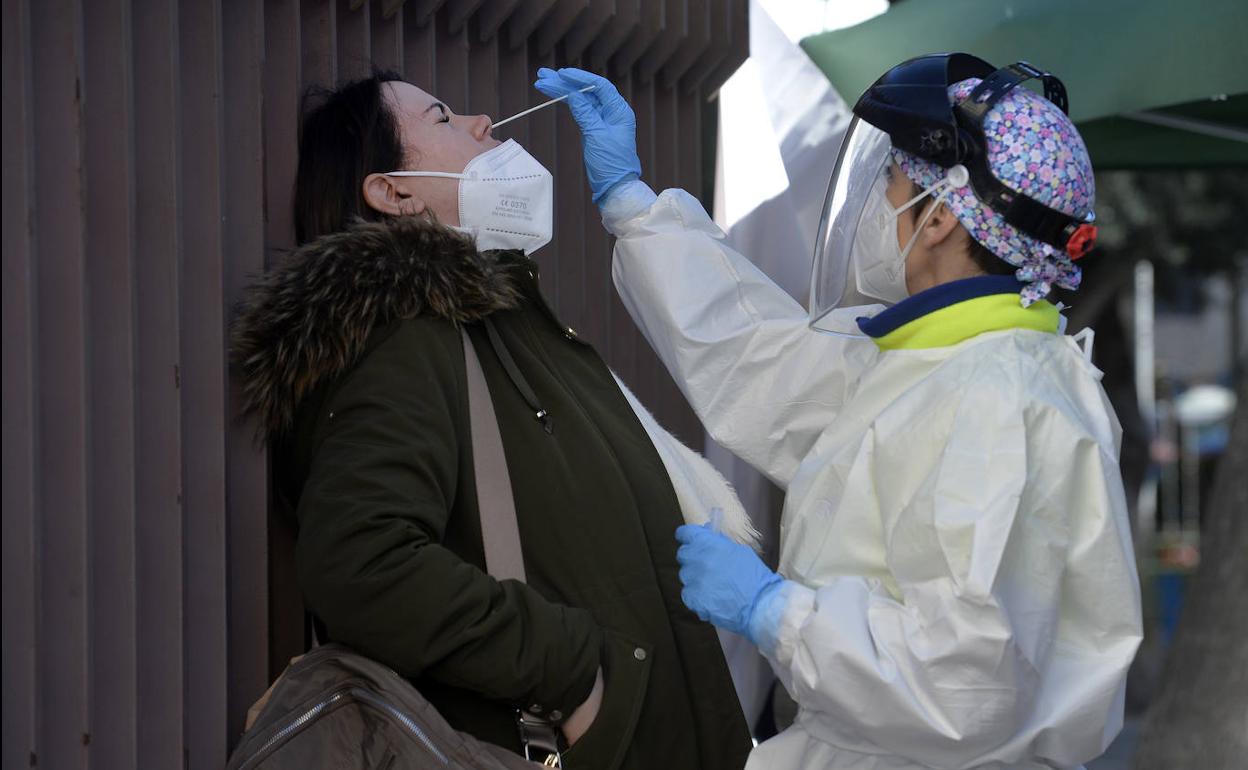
(987,262)
(349,134)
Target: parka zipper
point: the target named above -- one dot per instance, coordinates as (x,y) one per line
(517,377)
(327,704)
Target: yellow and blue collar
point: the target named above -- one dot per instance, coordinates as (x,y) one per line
(952,312)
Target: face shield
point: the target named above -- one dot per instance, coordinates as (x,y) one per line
(858,258)
(857,181)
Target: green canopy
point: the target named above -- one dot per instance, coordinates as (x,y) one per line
(1152,83)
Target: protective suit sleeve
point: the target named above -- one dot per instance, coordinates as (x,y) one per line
(1017,527)
(764,385)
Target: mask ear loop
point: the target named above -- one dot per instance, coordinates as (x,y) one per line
(956,177)
(433,174)
(918,228)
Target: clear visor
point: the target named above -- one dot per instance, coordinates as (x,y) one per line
(859,167)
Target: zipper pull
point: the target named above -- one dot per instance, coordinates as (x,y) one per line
(544,418)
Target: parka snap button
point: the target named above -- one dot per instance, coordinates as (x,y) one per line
(556,715)
(639,654)
(536,708)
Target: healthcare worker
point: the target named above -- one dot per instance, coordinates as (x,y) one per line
(956,586)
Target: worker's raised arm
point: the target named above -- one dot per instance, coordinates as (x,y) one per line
(763,384)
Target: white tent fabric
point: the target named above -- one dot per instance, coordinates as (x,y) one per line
(780,126)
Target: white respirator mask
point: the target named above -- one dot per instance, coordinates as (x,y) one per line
(506,198)
(879,260)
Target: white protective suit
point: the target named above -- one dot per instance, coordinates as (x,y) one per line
(964,592)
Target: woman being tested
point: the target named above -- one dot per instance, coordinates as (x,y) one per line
(956,584)
(353,359)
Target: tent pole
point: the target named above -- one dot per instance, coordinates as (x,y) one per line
(1193,125)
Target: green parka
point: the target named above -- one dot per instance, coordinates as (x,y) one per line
(353,360)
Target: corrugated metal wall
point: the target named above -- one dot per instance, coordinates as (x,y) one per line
(149,151)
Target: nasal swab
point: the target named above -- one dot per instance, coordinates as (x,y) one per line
(538,107)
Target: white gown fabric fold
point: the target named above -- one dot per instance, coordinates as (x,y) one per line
(964,590)
(698,486)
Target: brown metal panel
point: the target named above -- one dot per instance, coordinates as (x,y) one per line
(719,23)
(587,27)
(626,21)
(664,120)
(159,550)
(696,41)
(319,28)
(525,20)
(418,50)
(675,33)
(483,78)
(558,22)
(458,13)
(652,19)
(492,16)
(738,47)
(354,40)
(598,288)
(387,39)
(688,141)
(450,65)
(19,439)
(108,167)
(282,93)
(243,243)
(515,90)
(62,402)
(542,145)
(202,326)
(423,10)
(284,609)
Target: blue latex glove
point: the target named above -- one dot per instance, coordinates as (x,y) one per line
(608,126)
(725,582)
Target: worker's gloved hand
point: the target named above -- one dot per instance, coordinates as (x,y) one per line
(725,582)
(608,126)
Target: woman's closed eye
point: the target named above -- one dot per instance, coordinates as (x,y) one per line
(445,115)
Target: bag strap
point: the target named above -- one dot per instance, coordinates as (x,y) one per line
(500,533)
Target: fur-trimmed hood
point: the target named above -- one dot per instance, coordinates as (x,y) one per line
(308,320)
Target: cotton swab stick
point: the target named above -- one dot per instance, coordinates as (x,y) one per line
(540,106)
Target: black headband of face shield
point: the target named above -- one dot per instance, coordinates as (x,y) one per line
(1048,225)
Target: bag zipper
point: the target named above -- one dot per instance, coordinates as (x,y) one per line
(331,701)
(415,729)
